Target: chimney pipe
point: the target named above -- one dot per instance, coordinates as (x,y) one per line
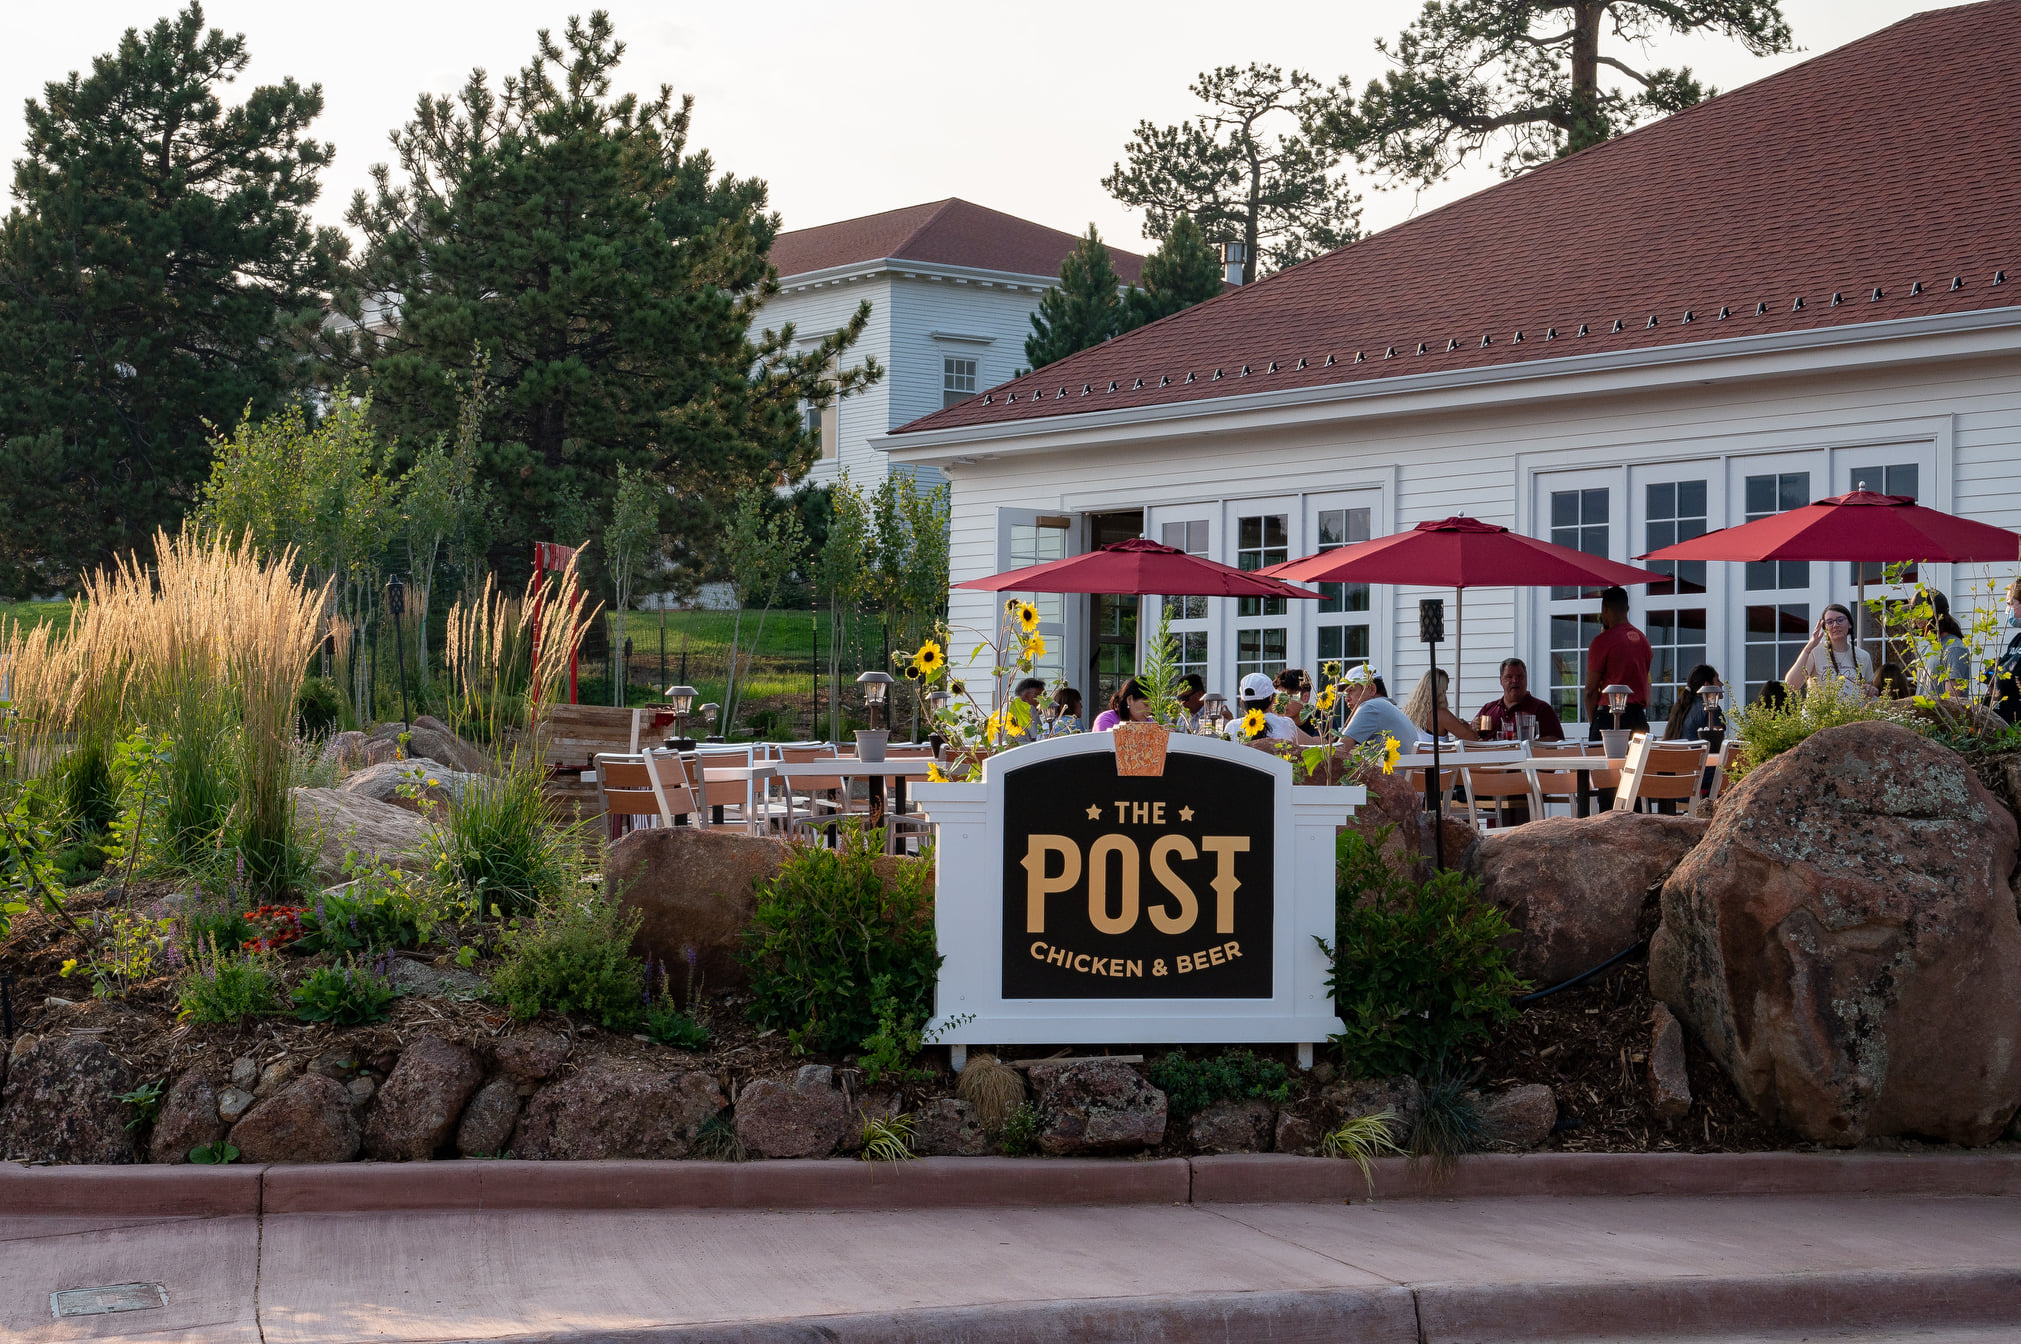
(1234,260)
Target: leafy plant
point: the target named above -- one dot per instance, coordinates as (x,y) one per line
(1020,1135)
(886,1140)
(666,1021)
(124,951)
(1419,969)
(319,707)
(717,1141)
(223,987)
(1769,730)
(345,995)
(379,909)
(573,956)
(1448,1125)
(1192,1085)
(213,1154)
(146,1102)
(890,1050)
(1361,1140)
(832,942)
(214,917)
(496,844)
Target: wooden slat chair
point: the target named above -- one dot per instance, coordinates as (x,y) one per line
(572,736)
(652,784)
(1660,772)
(1729,751)
(820,798)
(1489,792)
(1553,788)
(742,800)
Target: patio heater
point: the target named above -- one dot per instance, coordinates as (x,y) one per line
(1432,633)
(1615,740)
(870,743)
(396,606)
(681,700)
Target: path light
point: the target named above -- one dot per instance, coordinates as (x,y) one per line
(875,686)
(1617,700)
(681,700)
(709,712)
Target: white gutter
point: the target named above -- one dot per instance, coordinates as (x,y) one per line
(903,267)
(1981,332)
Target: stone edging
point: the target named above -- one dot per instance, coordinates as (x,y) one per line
(954,1182)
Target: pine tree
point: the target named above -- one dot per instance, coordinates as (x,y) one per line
(1085,309)
(1527,73)
(158,273)
(1182,272)
(611,275)
(1238,176)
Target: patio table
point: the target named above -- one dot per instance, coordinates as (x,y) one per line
(721,774)
(1582,766)
(876,772)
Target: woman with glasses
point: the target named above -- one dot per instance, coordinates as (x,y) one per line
(1829,656)
(2002,693)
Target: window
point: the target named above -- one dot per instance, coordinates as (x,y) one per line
(1343,644)
(1571,635)
(1775,636)
(1767,496)
(1192,651)
(1578,520)
(1261,540)
(1675,511)
(1676,645)
(1259,650)
(957,380)
(1034,543)
(1901,479)
(1337,528)
(1191,537)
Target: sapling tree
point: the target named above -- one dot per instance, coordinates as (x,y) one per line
(761,550)
(842,575)
(629,542)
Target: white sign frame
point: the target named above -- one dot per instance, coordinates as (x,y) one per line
(968,920)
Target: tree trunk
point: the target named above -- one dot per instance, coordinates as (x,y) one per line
(1587,126)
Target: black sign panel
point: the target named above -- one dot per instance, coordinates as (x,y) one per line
(1136,887)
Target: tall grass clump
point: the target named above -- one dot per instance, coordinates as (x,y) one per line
(1768,730)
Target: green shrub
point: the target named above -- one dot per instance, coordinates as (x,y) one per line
(497,846)
(1020,1134)
(319,707)
(1419,969)
(1770,730)
(826,931)
(1448,1124)
(213,1154)
(125,950)
(1192,1085)
(574,956)
(377,910)
(214,917)
(224,987)
(345,995)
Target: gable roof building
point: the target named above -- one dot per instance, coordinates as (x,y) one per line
(1800,282)
(952,287)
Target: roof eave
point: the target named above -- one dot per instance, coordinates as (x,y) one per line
(906,267)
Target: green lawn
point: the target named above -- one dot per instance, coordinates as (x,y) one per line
(35,613)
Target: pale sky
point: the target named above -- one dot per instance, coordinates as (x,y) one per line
(846,110)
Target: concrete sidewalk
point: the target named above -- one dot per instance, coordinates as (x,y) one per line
(1442,1271)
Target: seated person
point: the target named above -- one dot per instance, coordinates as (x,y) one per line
(1065,714)
(1516,699)
(1427,709)
(1296,688)
(1689,717)
(1256,692)
(1029,690)
(1193,703)
(1373,715)
(1128,705)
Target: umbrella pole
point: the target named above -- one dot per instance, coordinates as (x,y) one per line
(1459,655)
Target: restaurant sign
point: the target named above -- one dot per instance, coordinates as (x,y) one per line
(1076,904)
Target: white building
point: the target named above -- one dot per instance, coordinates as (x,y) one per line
(952,287)
(1797,287)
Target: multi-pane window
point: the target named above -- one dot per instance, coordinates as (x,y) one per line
(1191,537)
(1262,539)
(957,380)
(1578,520)
(1337,528)
(1767,496)
(1032,544)
(1676,645)
(1571,635)
(1343,644)
(1900,479)
(810,422)
(1192,646)
(1675,511)
(1776,634)
(1259,650)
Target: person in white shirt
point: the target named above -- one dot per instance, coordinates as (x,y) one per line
(1257,692)
(1830,655)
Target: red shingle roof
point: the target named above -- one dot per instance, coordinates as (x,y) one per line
(1818,197)
(952,232)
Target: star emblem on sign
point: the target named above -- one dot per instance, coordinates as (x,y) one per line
(1094,811)
(1185,814)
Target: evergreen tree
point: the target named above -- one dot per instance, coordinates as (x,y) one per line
(1085,309)
(158,272)
(1183,271)
(1527,72)
(1279,196)
(611,276)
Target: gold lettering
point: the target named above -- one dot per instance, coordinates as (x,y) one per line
(1038,951)
(1122,812)
(1081,963)
(1224,848)
(1037,885)
(1185,963)
(1161,868)
(1098,884)
(1233,950)
(1214,955)
(1140,813)
(1136,968)
(1158,813)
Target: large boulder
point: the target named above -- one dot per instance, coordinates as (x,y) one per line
(1574,887)
(694,887)
(1234,1126)
(417,1108)
(947,1127)
(806,1117)
(531,1054)
(379,832)
(607,1110)
(62,1103)
(1395,812)
(188,1119)
(1844,941)
(430,737)
(487,1124)
(1094,1107)
(309,1120)
(419,786)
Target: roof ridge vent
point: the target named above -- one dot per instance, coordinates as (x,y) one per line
(1837,298)
(1617,326)
(1330,360)
(1724,313)
(1452,344)
(1517,339)
(1652,321)
(1797,307)
(1915,289)
(1216,378)
(1189,375)
(1761,307)
(1550,333)
(1583,331)
(1957,283)
(1999,277)
(1358,357)
(1062,394)
(1272,368)
(1087,388)
(1137,386)
(1389,353)
(1301,363)
(1164,380)
(1421,347)
(1877,295)
(1244,373)
(1112,384)
(1689,317)
(987,399)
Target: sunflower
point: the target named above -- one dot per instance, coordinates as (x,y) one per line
(910,671)
(1028,617)
(1254,724)
(1035,648)
(993,727)
(933,775)
(958,687)
(1324,701)
(929,659)
(1011,604)
(1391,754)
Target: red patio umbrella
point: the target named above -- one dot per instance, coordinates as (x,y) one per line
(1136,566)
(1460,553)
(1862,527)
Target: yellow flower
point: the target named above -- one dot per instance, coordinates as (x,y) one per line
(1254,724)
(1324,701)
(933,775)
(993,726)
(68,967)
(1011,604)
(1391,754)
(1028,617)
(929,659)
(1035,648)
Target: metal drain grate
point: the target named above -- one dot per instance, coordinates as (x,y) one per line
(100,1301)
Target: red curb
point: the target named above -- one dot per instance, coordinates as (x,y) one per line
(928,1182)
(1273,1178)
(178,1191)
(1653,1308)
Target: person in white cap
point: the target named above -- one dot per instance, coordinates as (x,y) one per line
(1373,714)
(1255,694)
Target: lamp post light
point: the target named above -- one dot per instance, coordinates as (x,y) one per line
(1617,701)
(936,701)
(396,605)
(876,685)
(1216,705)
(708,712)
(1432,633)
(1710,695)
(681,700)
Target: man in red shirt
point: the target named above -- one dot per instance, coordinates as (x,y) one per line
(1516,699)
(1619,656)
